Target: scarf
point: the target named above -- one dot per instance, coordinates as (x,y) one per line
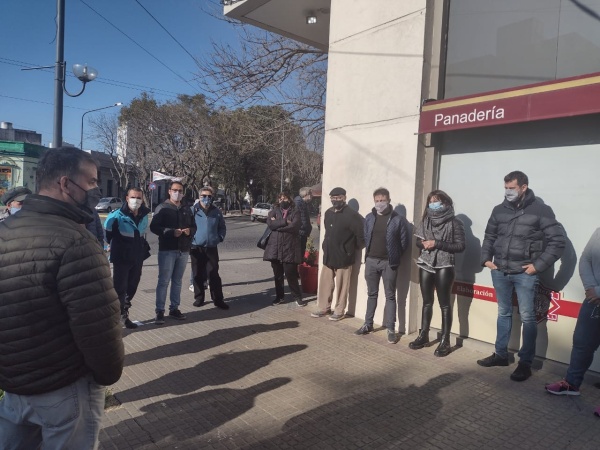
(437,225)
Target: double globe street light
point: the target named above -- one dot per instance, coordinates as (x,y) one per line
(92,110)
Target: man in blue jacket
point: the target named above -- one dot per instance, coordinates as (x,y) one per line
(125,230)
(386,237)
(210,232)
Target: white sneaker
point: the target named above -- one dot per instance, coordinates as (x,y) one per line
(191,288)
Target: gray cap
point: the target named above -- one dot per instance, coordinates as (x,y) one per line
(17,194)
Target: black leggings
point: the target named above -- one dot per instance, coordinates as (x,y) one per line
(441,282)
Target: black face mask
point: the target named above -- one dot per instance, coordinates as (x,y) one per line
(284,205)
(338,204)
(91,200)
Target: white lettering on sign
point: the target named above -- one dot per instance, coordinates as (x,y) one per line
(474,116)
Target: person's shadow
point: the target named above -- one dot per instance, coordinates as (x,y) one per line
(467,266)
(187,417)
(368,417)
(404,271)
(220,369)
(353,292)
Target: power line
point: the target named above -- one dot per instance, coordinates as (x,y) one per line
(167,31)
(139,45)
(38,101)
(122,84)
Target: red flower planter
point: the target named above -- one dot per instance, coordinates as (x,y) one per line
(309,278)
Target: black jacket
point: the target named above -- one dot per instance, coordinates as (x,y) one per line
(524,233)
(60,313)
(305,225)
(397,236)
(343,236)
(283,244)
(168,218)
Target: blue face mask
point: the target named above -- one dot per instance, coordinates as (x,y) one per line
(206,201)
(435,205)
(14,210)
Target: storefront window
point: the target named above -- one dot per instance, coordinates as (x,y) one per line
(502,44)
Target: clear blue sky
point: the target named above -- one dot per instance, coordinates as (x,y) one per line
(27,38)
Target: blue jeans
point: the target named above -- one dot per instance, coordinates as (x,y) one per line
(586,340)
(171,266)
(524,285)
(375,270)
(68,418)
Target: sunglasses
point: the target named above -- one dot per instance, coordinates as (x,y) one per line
(206,196)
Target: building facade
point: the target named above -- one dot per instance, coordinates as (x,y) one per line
(455,94)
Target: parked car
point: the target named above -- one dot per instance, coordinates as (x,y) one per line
(260,211)
(108,204)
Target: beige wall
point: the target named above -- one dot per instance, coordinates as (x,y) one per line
(373,100)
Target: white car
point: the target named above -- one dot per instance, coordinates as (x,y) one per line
(108,204)
(260,211)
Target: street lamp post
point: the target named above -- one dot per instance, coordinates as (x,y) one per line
(92,110)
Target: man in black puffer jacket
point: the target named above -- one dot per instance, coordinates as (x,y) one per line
(60,338)
(522,239)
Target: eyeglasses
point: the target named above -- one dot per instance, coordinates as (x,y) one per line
(177,190)
(206,196)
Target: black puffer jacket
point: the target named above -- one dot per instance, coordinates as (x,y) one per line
(343,237)
(519,234)
(284,242)
(59,312)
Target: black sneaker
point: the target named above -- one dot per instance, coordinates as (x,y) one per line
(160,318)
(129,324)
(176,314)
(521,373)
(221,305)
(198,303)
(301,302)
(492,361)
(365,329)
(391,337)
(277,301)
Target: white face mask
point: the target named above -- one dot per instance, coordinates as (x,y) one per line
(134,203)
(176,196)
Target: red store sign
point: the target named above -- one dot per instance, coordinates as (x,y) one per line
(549,100)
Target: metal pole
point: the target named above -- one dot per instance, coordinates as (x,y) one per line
(282,147)
(59,73)
(92,110)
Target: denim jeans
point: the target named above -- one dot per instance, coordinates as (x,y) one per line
(375,270)
(524,285)
(586,340)
(171,266)
(68,418)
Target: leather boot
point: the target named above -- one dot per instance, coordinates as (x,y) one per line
(423,337)
(421,340)
(445,348)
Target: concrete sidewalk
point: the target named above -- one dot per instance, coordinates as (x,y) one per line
(262,376)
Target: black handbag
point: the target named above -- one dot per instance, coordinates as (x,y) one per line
(262,242)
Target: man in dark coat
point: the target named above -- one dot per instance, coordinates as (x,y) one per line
(60,339)
(174,224)
(343,237)
(522,239)
(386,238)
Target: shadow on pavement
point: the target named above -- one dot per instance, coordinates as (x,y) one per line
(388,418)
(220,369)
(189,416)
(201,343)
